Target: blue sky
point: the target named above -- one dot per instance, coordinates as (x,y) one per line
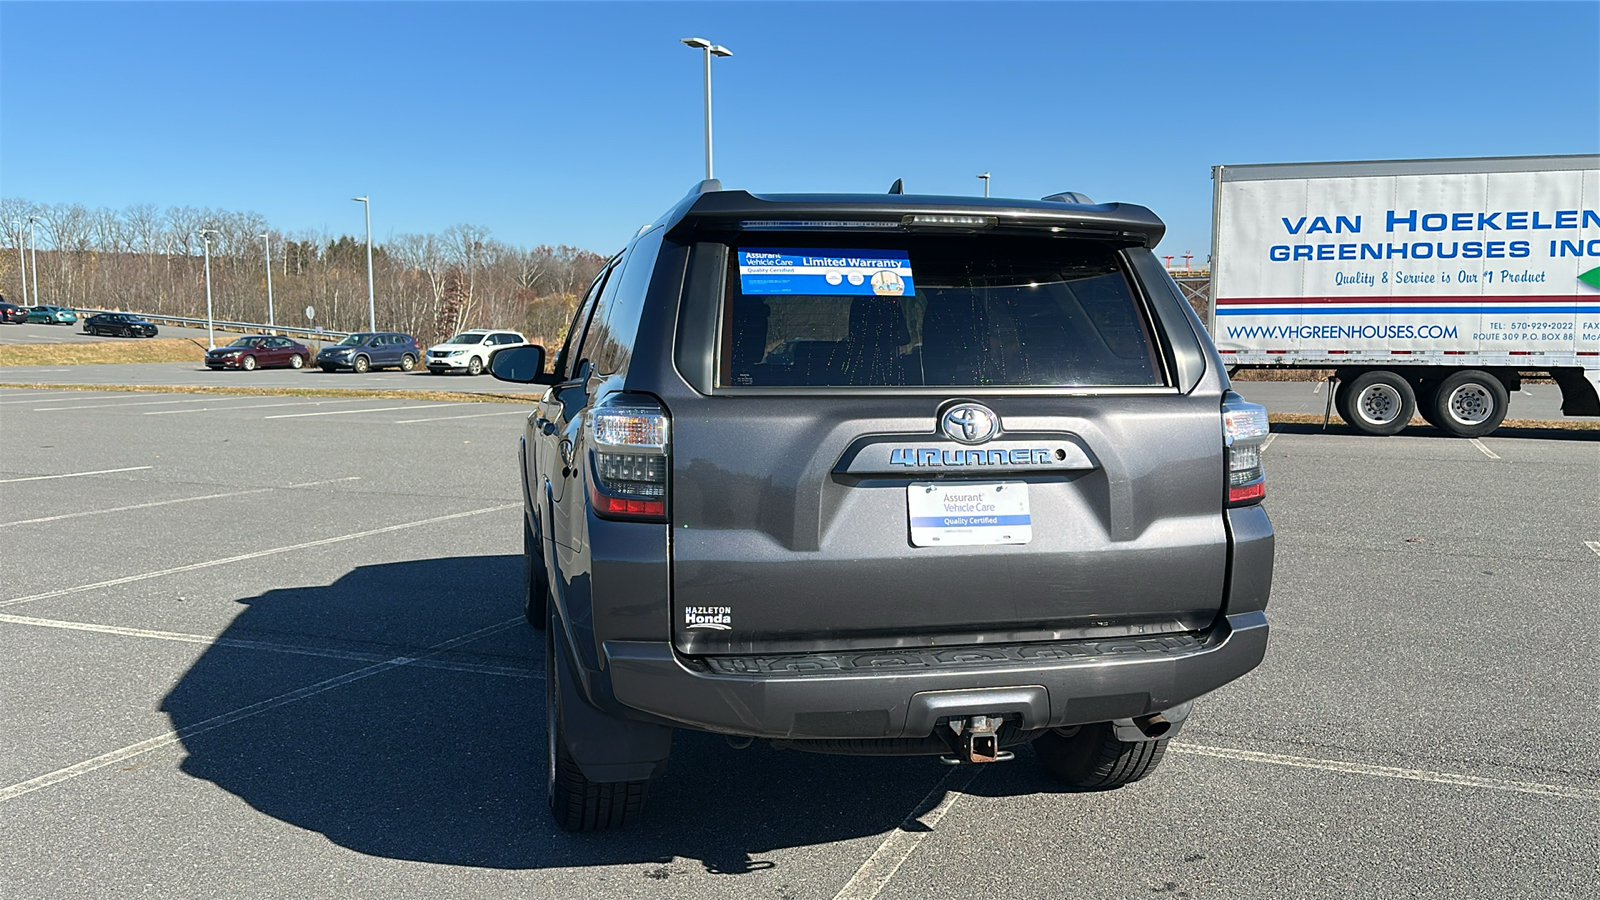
(576,123)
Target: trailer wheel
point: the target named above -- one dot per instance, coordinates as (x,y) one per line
(1470,403)
(1376,402)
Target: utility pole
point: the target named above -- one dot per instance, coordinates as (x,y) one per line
(372,306)
(266,241)
(710,50)
(33,251)
(205,236)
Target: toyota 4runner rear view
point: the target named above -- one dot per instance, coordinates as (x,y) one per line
(887,475)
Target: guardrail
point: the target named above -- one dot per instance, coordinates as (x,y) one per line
(287,330)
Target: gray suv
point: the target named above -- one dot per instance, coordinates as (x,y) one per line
(886,475)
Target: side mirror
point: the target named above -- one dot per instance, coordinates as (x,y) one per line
(523,365)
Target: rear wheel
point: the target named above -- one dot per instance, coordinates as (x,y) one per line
(361,365)
(1090,758)
(296,361)
(576,803)
(475,366)
(248,363)
(1376,402)
(1469,404)
(408,362)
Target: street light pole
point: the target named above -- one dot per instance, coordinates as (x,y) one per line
(985,177)
(33,251)
(266,243)
(205,236)
(710,51)
(372,306)
(22,261)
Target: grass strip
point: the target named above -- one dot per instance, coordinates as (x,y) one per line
(442,396)
(103,352)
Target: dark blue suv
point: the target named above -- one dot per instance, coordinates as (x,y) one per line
(367,350)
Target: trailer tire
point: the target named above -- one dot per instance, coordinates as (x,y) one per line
(1470,403)
(1376,402)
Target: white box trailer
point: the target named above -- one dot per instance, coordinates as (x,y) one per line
(1429,286)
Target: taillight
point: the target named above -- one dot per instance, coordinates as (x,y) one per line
(628,478)
(1245,429)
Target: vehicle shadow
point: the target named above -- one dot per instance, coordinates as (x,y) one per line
(446,764)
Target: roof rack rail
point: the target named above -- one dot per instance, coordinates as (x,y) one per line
(1069,197)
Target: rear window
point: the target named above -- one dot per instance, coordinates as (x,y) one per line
(932,310)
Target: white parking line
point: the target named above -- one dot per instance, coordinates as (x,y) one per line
(326,481)
(75,395)
(1593,545)
(1350,768)
(74,474)
(513,412)
(1486,451)
(169,412)
(244,712)
(875,874)
(269,646)
(1268,442)
(255,555)
(140,403)
(97,512)
(346,412)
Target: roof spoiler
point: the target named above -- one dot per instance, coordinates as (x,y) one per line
(706,186)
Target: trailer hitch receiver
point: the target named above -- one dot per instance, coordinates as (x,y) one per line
(975,739)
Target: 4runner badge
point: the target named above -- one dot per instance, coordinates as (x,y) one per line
(719,618)
(969,423)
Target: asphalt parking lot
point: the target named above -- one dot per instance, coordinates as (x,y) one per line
(272,647)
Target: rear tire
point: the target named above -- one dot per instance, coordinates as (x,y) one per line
(408,362)
(297,361)
(1094,760)
(361,365)
(1469,404)
(1376,402)
(576,803)
(536,581)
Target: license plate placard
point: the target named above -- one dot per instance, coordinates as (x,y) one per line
(954,514)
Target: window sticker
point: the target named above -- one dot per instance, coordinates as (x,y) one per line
(851,273)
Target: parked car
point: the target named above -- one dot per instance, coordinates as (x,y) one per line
(12,313)
(119,324)
(470,351)
(997,492)
(259,351)
(366,350)
(52,315)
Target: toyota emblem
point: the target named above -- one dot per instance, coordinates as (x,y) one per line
(969,423)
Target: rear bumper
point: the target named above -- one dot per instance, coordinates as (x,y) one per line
(1074,683)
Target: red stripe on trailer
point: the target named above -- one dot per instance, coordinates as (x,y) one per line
(1589,352)
(1401,352)
(1357,301)
(1277,351)
(1227,351)
(1455,353)
(1331,352)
